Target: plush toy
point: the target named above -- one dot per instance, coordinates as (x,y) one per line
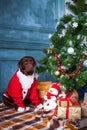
(62,94)
(51,97)
(49,105)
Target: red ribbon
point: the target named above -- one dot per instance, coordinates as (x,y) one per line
(68,101)
(67,107)
(67,112)
(55,111)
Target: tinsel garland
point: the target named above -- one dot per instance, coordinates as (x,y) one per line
(62,70)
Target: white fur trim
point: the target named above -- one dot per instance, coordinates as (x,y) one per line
(26,81)
(21,109)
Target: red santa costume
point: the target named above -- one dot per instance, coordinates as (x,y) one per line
(21,87)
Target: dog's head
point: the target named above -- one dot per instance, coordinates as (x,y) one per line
(27,65)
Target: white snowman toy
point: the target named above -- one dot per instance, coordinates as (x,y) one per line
(50,98)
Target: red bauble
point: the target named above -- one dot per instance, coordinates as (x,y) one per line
(83,56)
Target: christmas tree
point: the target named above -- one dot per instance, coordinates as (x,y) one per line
(66,56)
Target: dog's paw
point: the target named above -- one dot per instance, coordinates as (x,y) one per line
(27,108)
(40,106)
(21,109)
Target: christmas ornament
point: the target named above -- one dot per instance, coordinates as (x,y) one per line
(75,25)
(83,56)
(50,51)
(50,35)
(85,64)
(62,70)
(70,50)
(51,46)
(70,43)
(85,52)
(63,32)
(57,73)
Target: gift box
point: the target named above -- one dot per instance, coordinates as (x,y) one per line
(84,110)
(43,88)
(85,98)
(44,85)
(84,106)
(73,112)
(74,96)
(67,101)
(63,102)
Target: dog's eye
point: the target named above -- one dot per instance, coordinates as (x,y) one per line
(31,61)
(28,61)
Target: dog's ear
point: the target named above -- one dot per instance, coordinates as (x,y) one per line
(20,63)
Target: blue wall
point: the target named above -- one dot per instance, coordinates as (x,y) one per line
(24,29)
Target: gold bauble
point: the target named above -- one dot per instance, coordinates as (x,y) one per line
(51,51)
(57,73)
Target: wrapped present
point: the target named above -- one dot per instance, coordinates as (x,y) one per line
(73,112)
(84,110)
(64,102)
(74,96)
(71,98)
(44,85)
(85,98)
(67,101)
(43,88)
(84,106)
